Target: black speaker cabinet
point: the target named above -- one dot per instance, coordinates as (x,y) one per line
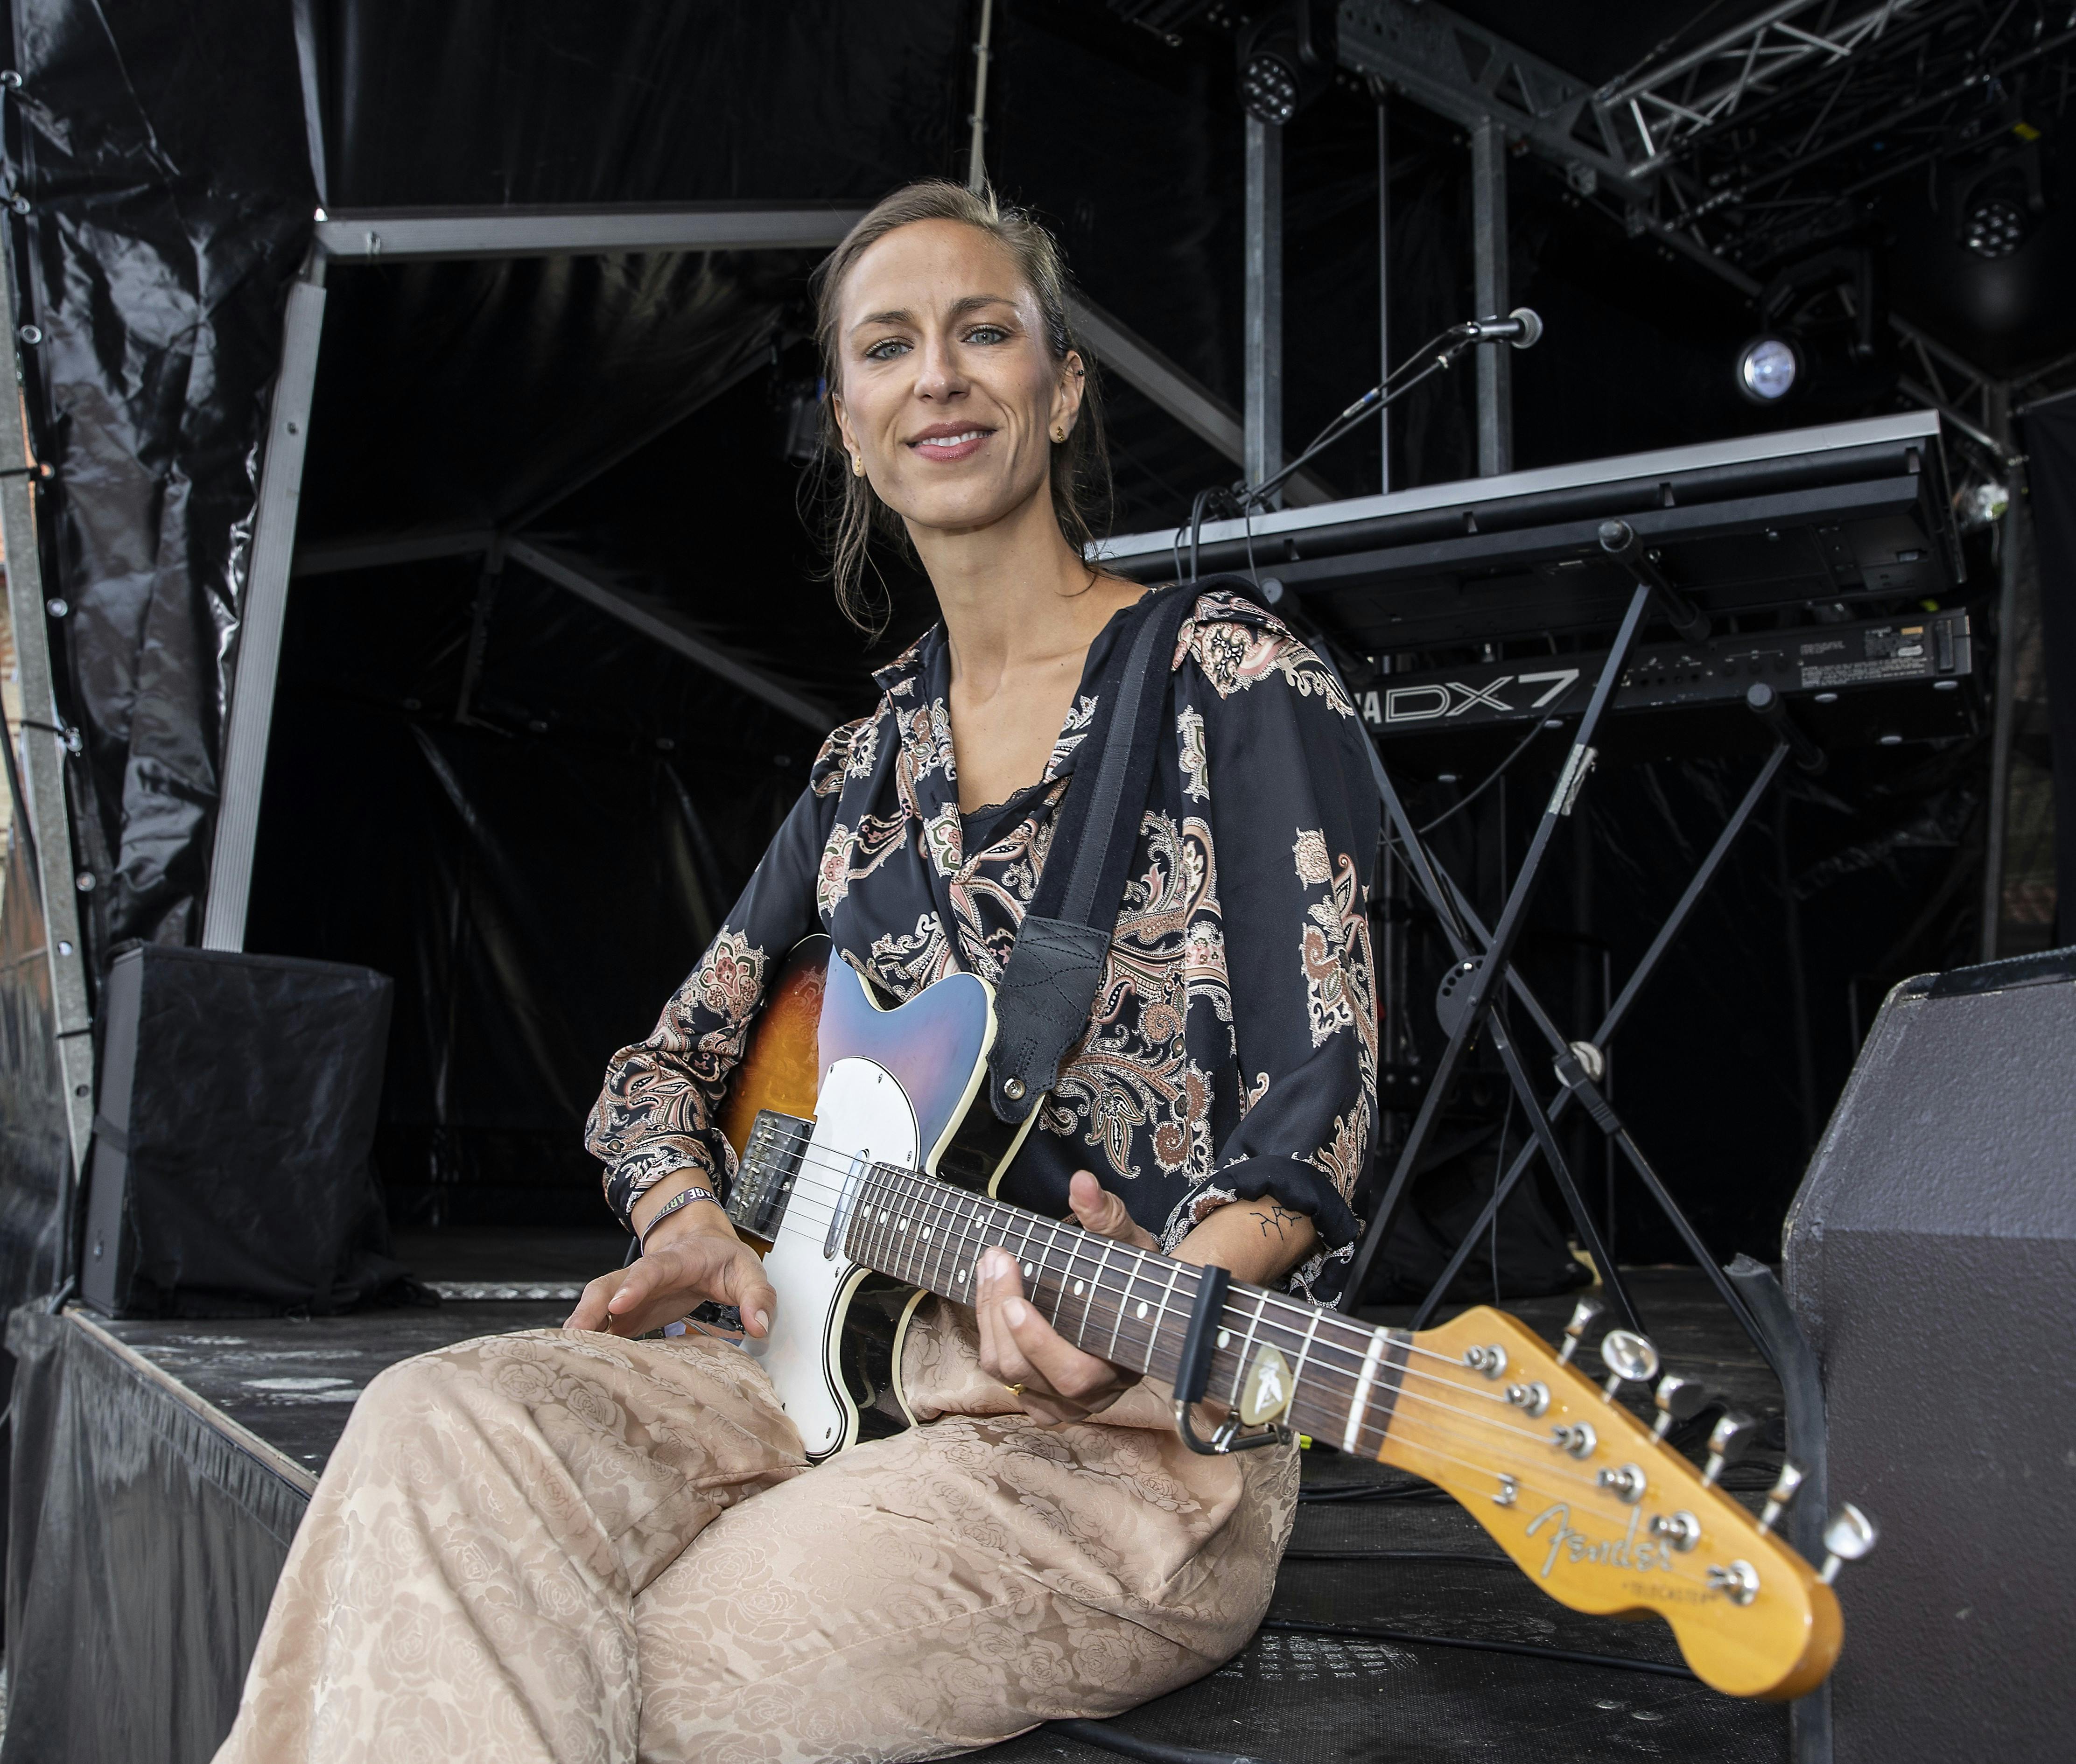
(229,1174)
(1931,1260)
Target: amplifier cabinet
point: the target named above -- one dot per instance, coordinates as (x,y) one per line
(229,1172)
(1931,1260)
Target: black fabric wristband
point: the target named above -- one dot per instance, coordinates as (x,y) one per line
(695,1193)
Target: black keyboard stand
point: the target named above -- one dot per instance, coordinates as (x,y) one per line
(1484,957)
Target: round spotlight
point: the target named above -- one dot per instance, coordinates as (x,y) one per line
(1983,502)
(1767,369)
(1269,88)
(1995,227)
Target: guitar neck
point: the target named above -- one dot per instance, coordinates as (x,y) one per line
(1130,1306)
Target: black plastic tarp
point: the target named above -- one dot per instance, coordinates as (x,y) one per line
(159,151)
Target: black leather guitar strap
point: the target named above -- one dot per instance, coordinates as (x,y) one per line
(1048,988)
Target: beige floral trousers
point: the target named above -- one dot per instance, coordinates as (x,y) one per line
(562,1548)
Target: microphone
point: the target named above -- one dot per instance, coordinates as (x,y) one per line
(1522,327)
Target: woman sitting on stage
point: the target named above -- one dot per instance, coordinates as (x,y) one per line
(579,1545)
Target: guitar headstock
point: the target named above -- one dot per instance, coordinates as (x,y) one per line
(1602,1514)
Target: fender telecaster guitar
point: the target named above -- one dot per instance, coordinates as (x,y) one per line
(867,1158)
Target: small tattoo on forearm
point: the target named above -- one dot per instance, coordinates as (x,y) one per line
(1277,1216)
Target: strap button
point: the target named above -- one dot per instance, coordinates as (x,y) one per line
(1013,1089)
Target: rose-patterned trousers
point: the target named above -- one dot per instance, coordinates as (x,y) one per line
(561,1546)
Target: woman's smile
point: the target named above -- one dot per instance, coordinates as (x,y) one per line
(946,441)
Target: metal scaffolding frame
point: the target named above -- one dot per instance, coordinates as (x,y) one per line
(1763,139)
(368,238)
(46,746)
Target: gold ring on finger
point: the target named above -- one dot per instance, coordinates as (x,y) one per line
(1014,1390)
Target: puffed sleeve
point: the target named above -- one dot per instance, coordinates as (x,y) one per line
(659,1111)
(1294,817)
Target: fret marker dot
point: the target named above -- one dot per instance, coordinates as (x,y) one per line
(926,1230)
(1026,1271)
(1142,1307)
(1077,1289)
(902,1226)
(962,1274)
(1225,1336)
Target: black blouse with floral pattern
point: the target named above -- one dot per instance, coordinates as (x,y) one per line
(1232,1049)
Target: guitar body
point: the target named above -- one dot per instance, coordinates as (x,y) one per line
(904,1086)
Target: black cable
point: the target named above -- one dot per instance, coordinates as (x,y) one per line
(1372,1490)
(1491,778)
(1483,1559)
(1569,1656)
(1115,1739)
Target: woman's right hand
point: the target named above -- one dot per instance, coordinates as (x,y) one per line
(693,1257)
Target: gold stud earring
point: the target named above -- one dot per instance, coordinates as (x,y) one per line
(1059,432)
(857,465)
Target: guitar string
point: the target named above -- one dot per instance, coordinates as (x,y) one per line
(941,1196)
(802,1139)
(1354,1353)
(834,1193)
(1583,1485)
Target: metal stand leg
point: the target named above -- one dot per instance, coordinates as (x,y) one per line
(1496,957)
(1588,1093)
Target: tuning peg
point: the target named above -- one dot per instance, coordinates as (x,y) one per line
(1582,1313)
(1679,1399)
(1734,1435)
(1849,1536)
(1778,1496)
(1629,1359)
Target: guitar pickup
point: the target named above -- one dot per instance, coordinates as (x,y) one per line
(771,1161)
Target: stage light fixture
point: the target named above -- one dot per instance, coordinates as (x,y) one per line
(1286,60)
(1982,501)
(1767,369)
(1996,227)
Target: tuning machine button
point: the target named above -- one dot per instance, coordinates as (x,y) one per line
(1491,1361)
(1778,1496)
(1738,1582)
(1680,1529)
(1582,1315)
(1849,1536)
(1734,1435)
(1578,1438)
(1629,1359)
(1678,1399)
(1530,1399)
(1625,1484)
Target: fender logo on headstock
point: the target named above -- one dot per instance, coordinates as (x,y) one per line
(1580,1546)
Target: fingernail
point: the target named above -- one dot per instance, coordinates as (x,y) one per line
(1015,1311)
(762,1321)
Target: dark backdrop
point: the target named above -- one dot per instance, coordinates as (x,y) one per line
(530,816)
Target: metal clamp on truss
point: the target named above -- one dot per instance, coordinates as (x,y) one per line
(1194,1373)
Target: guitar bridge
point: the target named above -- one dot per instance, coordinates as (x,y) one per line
(763,1178)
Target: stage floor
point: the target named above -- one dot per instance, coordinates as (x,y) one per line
(281,1390)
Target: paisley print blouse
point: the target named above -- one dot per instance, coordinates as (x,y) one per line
(1231,1053)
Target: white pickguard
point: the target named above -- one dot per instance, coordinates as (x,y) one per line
(861,1116)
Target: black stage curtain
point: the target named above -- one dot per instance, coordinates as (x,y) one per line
(2050,445)
(146,1548)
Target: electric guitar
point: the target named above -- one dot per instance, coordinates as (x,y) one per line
(867,1159)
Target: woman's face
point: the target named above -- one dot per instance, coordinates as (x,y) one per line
(947,392)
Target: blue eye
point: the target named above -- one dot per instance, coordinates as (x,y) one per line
(987,334)
(886,349)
